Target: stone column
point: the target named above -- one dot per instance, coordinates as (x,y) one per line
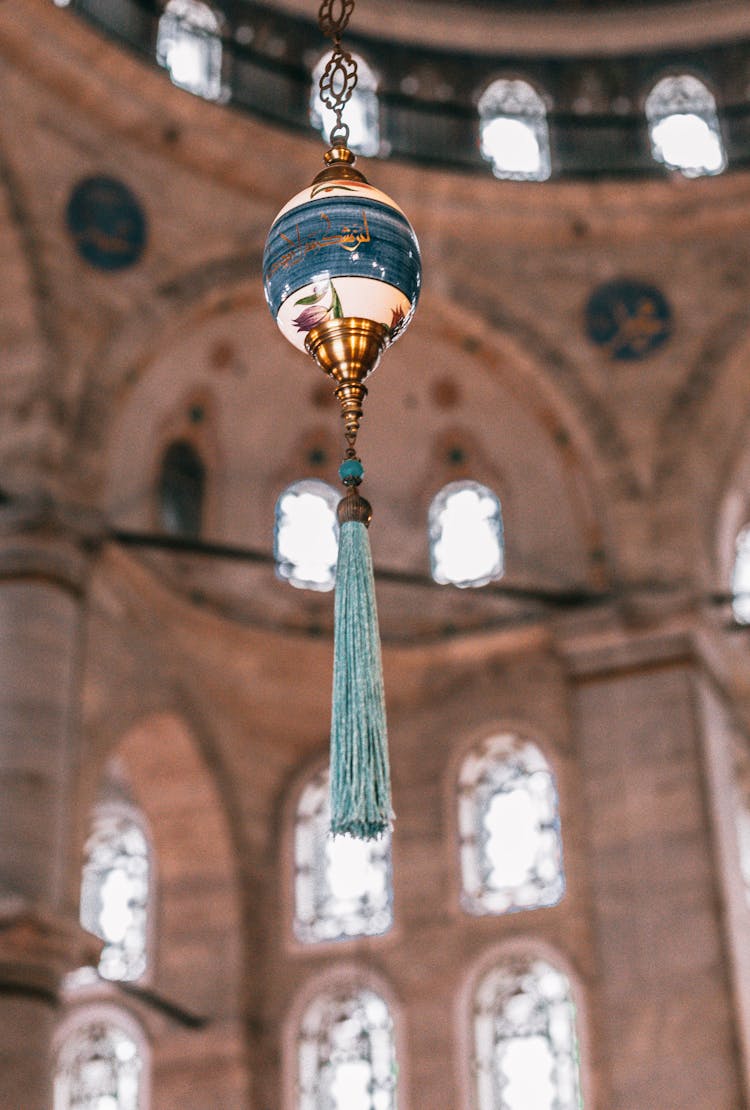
(44,563)
(663,1011)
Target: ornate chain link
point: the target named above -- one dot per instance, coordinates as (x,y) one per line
(339,79)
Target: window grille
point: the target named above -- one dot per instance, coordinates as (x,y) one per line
(509,828)
(343,886)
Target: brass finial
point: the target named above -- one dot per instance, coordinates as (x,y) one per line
(339,166)
(348,349)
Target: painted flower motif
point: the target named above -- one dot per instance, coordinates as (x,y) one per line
(310,317)
(313,312)
(397,320)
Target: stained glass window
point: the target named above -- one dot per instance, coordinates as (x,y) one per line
(509,829)
(525,1039)
(342,885)
(182,487)
(188,45)
(684,127)
(466,535)
(346,1053)
(741,578)
(513,131)
(361,114)
(99,1067)
(306,536)
(115,891)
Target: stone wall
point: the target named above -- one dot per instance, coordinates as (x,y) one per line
(624,482)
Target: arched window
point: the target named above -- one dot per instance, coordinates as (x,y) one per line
(346,1053)
(361,114)
(741,578)
(683,126)
(115,890)
(306,535)
(525,1039)
(509,828)
(466,535)
(342,886)
(181,490)
(188,45)
(100,1065)
(513,131)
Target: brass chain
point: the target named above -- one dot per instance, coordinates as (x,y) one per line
(339,78)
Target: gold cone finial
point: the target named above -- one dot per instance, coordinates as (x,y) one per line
(348,350)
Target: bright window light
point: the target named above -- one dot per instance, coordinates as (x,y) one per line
(741,579)
(512,146)
(513,131)
(351,876)
(114,891)
(346,1053)
(684,126)
(99,1067)
(361,114)
(526,1044)
(306,536)
(466,535)
(528,1063)
(342,885)
(188,45)
(509,828)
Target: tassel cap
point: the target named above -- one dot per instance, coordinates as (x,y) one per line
(354,507)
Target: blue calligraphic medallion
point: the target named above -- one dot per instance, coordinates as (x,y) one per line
(628,319)
(107,223)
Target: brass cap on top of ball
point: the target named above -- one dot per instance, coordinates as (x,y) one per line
(339,166)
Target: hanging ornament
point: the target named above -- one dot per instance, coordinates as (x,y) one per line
(342,273)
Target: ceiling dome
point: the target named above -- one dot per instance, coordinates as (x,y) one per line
(590,65)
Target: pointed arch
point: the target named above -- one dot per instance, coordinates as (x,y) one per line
(193,848)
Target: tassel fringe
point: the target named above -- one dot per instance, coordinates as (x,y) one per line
(360,775)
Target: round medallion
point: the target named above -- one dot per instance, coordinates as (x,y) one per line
(107,223)
(628,319)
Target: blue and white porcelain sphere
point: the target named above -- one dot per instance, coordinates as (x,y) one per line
(341,248)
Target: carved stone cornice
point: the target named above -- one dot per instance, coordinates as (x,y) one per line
(42,539)
(38,947)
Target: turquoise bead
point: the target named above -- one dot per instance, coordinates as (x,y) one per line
(351,472)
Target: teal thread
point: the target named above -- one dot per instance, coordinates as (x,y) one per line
(360,775)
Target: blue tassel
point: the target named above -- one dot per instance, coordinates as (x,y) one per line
(360,776)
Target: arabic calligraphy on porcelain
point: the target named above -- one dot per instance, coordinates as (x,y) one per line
(341,248)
